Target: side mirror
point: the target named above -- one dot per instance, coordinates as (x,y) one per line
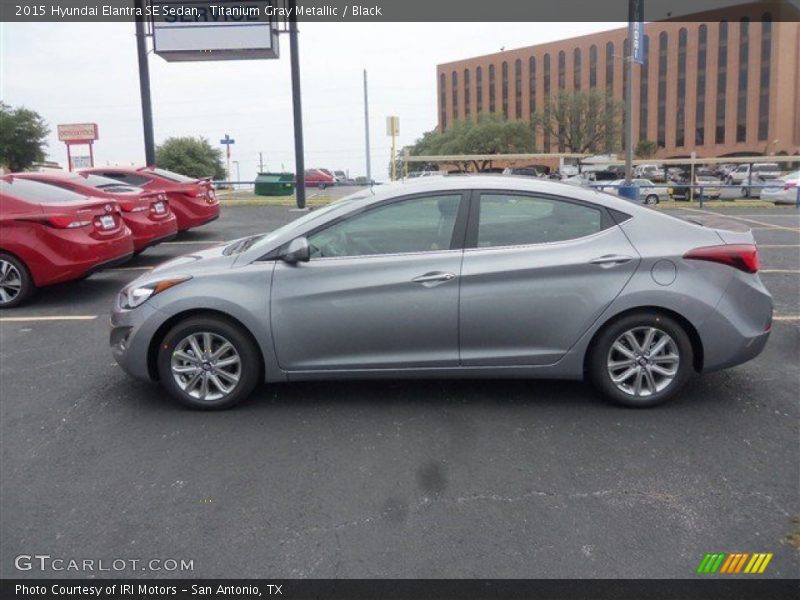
(297,251)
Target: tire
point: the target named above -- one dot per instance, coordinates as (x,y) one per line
(208,395)
(604,352)
(652,200)
(16,283)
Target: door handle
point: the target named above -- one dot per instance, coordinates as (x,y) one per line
(434,277)
(611,259)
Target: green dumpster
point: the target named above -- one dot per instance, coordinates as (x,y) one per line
(275,184)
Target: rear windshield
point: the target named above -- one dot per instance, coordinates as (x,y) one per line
(105,183)
(176,177)
(34,191)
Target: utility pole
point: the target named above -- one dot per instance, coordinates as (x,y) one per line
(260,162)
(297,108)
(366,130)
(629,96)
(144,88)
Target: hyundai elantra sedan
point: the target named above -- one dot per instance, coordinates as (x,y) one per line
(491,277)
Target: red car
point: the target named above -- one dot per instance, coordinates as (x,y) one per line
(192,200)
(147,214)
(49,235)
(319,178)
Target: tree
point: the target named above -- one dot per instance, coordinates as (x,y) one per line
(190,156)
(646,149)
(23,135)
(488,134)
(582,122)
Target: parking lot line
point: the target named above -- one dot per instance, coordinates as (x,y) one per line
(779,271)
(195,242)
(131,269)
(742,219)
(48,318)
(787,318)
(778,245)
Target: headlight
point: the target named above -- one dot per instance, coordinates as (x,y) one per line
(137,294)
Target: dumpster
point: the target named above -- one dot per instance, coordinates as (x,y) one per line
(274,184)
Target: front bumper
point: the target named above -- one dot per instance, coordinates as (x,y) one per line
(131,333)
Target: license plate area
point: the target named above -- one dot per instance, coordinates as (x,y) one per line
(159,208)
(107,222)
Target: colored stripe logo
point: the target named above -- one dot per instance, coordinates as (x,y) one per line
(735,563)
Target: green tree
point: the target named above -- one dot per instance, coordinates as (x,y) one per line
(581,122)
(645,149)
(23,135)
(190,156)
(488,134)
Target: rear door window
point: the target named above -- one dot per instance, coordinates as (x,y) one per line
(515,220)
(40,193)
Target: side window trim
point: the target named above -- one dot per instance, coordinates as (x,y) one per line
(473,223)
(457,240)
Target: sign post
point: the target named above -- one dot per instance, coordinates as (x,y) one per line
(78,134)
(393,130)
(227,141)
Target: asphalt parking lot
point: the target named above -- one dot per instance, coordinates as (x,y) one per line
(391,479)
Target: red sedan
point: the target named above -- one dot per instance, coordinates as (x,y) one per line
(319,178)
(192,200)
(147,214)
(49,235)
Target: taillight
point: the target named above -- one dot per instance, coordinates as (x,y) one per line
(739,256)
(132,207)
(65,222)
(789,185)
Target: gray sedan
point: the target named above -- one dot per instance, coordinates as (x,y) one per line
(480,276)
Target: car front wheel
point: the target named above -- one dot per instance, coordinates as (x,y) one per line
(208,363)
(652,200)
(641,360)
(16,283)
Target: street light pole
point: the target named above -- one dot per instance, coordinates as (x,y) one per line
(366,130)
(144,88)
(629,97)
(299,160)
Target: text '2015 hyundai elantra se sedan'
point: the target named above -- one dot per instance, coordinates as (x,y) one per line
(452,277)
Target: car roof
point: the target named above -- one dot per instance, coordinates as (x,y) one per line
(495,182)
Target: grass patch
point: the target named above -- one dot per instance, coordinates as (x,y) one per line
(247,198)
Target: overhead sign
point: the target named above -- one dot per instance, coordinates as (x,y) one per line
(218,30)
(637,45)
(77,132)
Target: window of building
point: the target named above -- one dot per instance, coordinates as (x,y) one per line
(644,88)
(610,68)
(443,101)
(662,90)
(680,116)
(592,66)
(467,95)
(532,85)
(741,92)
(510,220)
(562,70)
(700,98)
(504,70)
(478,90)
(546,97)
(518,88)
(576,69)
(722,82)
(492,97)
(454,77)
(764,78)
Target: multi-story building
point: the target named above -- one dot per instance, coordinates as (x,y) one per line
(716,87)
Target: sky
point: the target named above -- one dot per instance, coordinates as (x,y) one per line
(87,72)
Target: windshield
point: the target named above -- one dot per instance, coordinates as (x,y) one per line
(105,183)
(34,191)
(310,217)
(176,177)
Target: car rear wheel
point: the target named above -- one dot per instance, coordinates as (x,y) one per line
(641,360)
(652,200)
(208,363)
(16,283)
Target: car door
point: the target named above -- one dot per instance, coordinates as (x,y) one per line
(538,270)
(379,292)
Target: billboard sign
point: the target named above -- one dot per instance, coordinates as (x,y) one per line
(77,132)
(220,30)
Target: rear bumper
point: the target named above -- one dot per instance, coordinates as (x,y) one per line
(193,213)
(78,255)
(147,232)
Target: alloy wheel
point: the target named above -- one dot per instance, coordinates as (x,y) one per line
(10,282)
(643,361)
(206,366)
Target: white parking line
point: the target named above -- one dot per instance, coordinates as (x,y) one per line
(787,318)
(130,269)
(48,318)
(742,219)
(778,245)
(797,271)
(196,242)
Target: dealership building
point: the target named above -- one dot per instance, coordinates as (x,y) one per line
(715,87)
